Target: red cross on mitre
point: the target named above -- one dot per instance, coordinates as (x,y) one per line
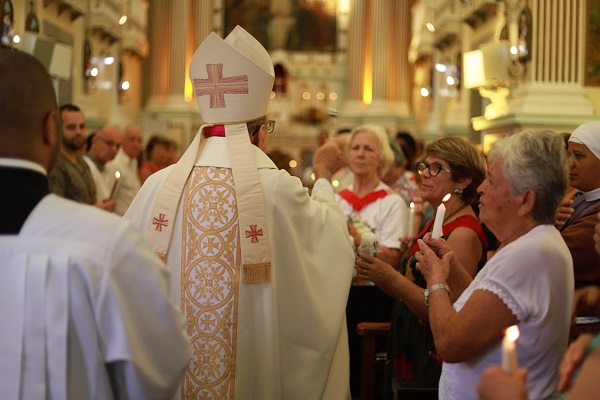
(216,86)
(254,233)
(160,222)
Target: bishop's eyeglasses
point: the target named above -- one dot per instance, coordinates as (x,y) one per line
(270,125)
(434,168)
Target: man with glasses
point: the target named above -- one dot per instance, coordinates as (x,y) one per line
(126,163)
(261,269)
(105,145)
(71,177)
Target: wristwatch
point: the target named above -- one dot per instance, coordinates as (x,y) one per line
(432,289)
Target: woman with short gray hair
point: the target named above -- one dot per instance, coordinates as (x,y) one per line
(528,282)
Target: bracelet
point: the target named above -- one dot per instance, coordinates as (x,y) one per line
(427,292)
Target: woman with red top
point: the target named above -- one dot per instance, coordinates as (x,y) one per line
(450,165)
(158,156)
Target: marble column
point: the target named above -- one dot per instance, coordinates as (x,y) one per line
(356,67)
(179,16)
(399,63)
(381,55)
(553,81)
(160,32)
(202,21)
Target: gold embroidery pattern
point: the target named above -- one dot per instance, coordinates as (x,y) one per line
(210,276)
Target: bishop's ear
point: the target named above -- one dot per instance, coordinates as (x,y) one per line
(262,138)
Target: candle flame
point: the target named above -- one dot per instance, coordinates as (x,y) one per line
(117,174)
(446,197)
(412,205)
(512,333)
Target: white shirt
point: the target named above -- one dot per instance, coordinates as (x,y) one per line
(533,276)
(20,163)
(129,182)
(292,335)
(84,303)
(592,195)
(387,216)
(100,178)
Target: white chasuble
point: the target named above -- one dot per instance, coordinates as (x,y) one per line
(210,277)
(285,339)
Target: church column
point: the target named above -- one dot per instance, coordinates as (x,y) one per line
(160,33)
(381,54)
(202,21)
(399,63)
(201,13)
(178,17)
(432,130)
(553,81)
(458,114)
(356,60)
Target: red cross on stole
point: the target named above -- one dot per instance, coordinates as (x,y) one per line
(160,222)
(254,233)
(216,86)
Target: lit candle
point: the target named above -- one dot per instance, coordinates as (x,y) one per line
(509,349)
(114,188)
(411,220)
(436,233)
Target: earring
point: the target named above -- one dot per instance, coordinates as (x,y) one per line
(458,191)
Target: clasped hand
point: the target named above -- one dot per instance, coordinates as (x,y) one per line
(434,258)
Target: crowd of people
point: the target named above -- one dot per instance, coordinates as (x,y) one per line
(107,167)
(218,275)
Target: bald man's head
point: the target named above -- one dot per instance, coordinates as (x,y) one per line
(132,141)
(28,109)
(105,144)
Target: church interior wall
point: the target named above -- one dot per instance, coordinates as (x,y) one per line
(322,76)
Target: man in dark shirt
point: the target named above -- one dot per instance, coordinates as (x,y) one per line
(71,177)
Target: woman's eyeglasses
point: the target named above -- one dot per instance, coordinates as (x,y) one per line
(434,168)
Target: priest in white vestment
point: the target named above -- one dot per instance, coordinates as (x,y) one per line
(105,144)
(261,269)
(125,164)
(84,301)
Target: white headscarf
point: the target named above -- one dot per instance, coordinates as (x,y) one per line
(588,134)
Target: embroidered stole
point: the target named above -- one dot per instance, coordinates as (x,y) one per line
(210,282)
(358,203)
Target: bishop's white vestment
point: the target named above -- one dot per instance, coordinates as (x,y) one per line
(85,310)
(283,339)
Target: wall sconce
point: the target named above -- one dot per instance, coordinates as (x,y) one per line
(107,58)
(488,69)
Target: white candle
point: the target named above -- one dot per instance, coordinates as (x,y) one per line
(114,188)
(368,244)
(509,349)
(436,232)
(411,221)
